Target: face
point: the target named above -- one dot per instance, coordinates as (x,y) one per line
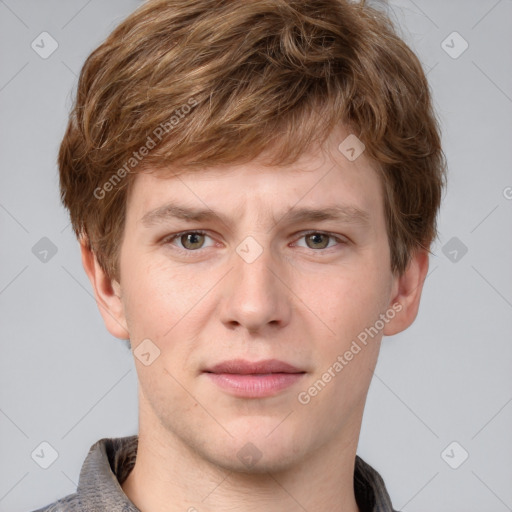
(261,294)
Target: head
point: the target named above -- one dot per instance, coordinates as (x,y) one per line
(243,110)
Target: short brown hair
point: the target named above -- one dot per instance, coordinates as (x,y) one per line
(252,75)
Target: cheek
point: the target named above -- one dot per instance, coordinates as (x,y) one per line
(155,297)
(346,300)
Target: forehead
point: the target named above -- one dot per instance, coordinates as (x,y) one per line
(320,177)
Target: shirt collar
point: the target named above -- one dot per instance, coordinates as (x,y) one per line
(110,460)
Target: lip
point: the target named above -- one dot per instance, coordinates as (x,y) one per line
(259,379)
(243,367)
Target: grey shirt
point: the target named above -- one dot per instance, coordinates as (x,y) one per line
(109,462)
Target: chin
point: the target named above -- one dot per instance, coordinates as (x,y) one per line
(260,448)
(252,462)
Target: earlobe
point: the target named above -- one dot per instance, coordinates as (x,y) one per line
(107,294)
(407,293)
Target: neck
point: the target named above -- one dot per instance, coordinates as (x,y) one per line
(169,476)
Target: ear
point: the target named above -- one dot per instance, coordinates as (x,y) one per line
(406,294)
(106,292)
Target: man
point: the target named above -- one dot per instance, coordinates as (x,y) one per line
(255,188)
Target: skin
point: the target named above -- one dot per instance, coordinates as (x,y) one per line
(303,304)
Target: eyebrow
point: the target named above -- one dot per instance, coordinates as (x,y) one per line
(347,214)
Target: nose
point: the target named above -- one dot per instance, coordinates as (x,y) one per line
(254,296)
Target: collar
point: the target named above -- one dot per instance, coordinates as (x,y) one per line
(110,461)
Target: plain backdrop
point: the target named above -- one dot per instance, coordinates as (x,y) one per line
(439,414)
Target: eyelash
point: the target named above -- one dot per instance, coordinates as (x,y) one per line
(189,252)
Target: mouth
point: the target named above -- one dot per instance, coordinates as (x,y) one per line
(248,379)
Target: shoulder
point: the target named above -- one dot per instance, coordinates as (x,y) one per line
(69,503)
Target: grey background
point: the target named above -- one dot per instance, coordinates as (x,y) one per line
(66,381)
